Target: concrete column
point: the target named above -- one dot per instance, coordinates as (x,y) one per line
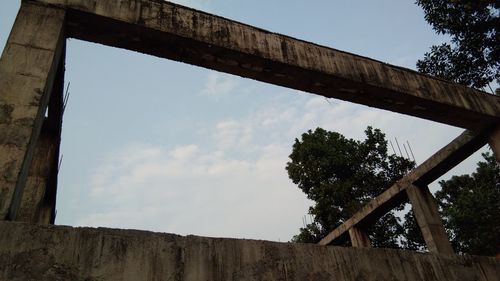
(494,142)
(38,179)
(28,68)
(359,238)
(428,218)
(39,197)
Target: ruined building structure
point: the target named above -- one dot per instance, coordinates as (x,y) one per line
(31,84)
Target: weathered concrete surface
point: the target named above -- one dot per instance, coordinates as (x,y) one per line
(435,166)
(426,212)
(39,197)
(167,30)
(359,238)
(35,192)
(30,252)
(494,142)
(27,69)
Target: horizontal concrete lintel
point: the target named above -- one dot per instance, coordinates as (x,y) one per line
(435,166)
(172,31)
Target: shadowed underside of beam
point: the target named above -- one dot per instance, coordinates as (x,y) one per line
(171,31)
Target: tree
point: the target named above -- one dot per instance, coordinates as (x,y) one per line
(341,175)
(470,206)
(473,57)
(412,233)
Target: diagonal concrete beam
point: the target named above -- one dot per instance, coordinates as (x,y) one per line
(172,31)
(438,164)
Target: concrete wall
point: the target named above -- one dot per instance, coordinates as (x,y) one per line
(31,252)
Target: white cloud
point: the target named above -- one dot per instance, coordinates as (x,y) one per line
(184,153)
(209,194)
(232,182)
(219,84)
(233,134)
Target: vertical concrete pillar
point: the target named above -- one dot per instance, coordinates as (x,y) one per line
(494,142)
(28,68)
(38,181)
(428,218)
(39,197)
(359,238)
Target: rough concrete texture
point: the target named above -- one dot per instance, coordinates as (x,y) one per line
(495,142)
(39,197)
(426,212)
(27,69)
(31,209)
(172,31)
(31,252)
(359,238)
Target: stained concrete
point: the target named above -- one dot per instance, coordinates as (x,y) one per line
(494,142)
(39,196)
(172,31)
(427,215)
(28,67)
(30,252)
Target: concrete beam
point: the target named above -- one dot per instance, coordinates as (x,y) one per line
(172,31)
(434,167)
(27,70)
(47,253)
(426,212)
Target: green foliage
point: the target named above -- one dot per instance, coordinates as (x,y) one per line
(341,175)
(413,236)
(473,57)
(470,206)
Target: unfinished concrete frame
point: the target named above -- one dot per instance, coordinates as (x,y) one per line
(31,82)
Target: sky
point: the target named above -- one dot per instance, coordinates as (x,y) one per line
(159,145)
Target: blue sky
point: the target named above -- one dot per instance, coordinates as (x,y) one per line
(159,145)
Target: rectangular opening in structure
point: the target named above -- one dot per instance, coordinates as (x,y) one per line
(158,145)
